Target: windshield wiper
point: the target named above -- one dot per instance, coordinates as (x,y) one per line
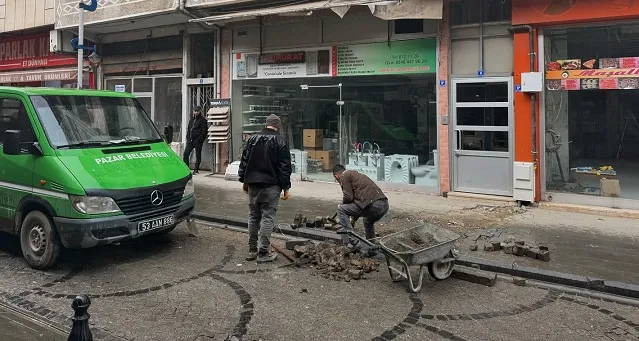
(134,140)
(87,144)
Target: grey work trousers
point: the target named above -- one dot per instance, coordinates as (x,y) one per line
(263,202)
(371,213)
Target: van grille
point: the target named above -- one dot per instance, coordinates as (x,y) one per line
(142,203)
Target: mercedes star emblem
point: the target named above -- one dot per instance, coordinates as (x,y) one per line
(157,198)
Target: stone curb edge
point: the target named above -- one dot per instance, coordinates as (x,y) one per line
(315,234)
(578,281)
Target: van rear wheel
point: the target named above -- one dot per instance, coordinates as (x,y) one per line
(39,241)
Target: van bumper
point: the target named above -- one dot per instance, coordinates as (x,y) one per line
(85,233)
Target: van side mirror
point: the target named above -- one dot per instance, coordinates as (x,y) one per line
(12,142)
(168,134)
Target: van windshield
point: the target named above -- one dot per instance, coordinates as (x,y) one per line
(94,121)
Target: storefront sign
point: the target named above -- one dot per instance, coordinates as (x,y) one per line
(401,57)
(30,52)
(316,63)
(41,76)
(120,88)
(602,74)
(283,58)
(555,11)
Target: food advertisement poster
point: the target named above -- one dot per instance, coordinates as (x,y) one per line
(593,74)
(400,57)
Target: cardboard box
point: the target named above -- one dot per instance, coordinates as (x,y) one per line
(312,153)
(313,138)
(610,188)
(328,158)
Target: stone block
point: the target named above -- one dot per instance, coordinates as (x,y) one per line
(473,247)
(292,243)
(488,247)
(474,276)
(520,250)
(532,253)
(496,245)
(507,248)
(519,281)
(543,255)
(520,242)
(543,247)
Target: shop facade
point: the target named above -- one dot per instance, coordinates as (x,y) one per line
(357,90)
(587,129)
(27,61)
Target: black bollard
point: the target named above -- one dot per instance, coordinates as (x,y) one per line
(80,330)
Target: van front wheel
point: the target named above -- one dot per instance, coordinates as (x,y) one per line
(39,241)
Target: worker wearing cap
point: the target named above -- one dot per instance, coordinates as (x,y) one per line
(361,198)
(195,136)
(265,170)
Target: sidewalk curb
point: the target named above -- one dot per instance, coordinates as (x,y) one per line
(316,234)
(590,210)
(578,281)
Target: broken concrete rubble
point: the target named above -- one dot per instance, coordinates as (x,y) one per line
(335,262)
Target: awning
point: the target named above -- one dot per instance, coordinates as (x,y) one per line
(40,75)
(306,7)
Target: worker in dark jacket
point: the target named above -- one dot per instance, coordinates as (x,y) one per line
(362,198)
(265,171)
(195,136)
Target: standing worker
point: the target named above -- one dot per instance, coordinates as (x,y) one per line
(362,198)
(195,136)
(265,170)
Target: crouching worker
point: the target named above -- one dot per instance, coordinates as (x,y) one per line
(362,198)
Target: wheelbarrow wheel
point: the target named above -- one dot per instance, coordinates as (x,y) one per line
(441,270)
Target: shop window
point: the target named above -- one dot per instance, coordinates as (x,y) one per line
(390,116)
(467,12)
(482,116)
(143,85)
(408,26)
(489,141)
(591,116)
(112,84)
(13,116)
(168,104)
(482,92)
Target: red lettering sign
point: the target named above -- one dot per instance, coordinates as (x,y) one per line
(31,52)
(283,58)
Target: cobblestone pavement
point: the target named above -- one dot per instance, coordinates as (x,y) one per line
(177,287)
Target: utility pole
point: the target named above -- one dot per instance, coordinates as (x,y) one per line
(80,40)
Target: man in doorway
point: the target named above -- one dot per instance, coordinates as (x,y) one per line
(195,136)
(265,170)
(362,198)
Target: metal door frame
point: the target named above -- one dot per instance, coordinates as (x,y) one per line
(453,132)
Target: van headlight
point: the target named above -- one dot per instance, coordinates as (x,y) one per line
(94,205)
(189,189)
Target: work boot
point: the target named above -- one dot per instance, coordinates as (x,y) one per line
(266,257)
(196,172)
(252,255)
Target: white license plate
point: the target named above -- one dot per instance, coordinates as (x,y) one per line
(156,223)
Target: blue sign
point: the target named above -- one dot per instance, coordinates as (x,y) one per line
(480,73)
(442,83)
(518,88)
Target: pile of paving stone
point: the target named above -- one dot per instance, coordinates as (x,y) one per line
(516,247)
(335,262)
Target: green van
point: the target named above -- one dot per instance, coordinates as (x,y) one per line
(81,168)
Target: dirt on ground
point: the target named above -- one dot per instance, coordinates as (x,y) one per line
(335,262)
(461,222)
